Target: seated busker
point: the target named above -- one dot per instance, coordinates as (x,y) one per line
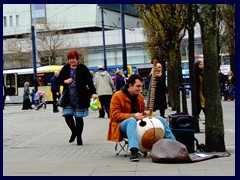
(126,108)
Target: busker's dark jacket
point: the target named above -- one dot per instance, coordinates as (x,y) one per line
(84,83)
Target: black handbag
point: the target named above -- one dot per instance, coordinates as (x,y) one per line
(63,100)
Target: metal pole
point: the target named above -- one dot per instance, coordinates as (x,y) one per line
(103,34)
(34,58)
(124,51)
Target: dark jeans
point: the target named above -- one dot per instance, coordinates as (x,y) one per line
(55,97)
(105,103)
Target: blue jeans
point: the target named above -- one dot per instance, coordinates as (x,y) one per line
(128,128)
(231,91)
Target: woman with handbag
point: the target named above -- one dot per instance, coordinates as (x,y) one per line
(78,87)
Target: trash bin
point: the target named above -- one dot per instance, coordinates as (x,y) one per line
(187,89)
(182,127)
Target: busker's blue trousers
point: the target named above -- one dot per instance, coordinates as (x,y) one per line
(128,128)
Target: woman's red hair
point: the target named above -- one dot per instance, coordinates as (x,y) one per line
(73,54)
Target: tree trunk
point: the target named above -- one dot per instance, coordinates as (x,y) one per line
(175,67)
(171,91)
(214,128)
(232,59)
(191,68)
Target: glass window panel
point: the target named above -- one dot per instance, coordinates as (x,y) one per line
(24,78)
(17,20)
(198,49)
(5,21)
(185,65)
(11,84)
(11,21)
(38,13)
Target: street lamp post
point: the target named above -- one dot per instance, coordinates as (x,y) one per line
(34,58)
(34,55)
(103,34)
(124,51)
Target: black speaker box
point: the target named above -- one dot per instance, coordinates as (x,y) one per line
(182,126)
(181,121)
(186,138)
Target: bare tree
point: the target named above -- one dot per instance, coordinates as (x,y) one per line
(16,52)
(227,14)
(53,43)
(164,25)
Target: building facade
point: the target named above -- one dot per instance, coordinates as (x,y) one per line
(75,26)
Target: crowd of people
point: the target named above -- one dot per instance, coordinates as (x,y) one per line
(122,101)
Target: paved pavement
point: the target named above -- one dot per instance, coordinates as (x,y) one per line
(35,143)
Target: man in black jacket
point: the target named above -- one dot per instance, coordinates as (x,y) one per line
(222,81)
(55,88)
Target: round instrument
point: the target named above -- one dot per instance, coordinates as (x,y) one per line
(149,131)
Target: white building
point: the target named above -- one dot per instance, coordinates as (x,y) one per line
(85,21)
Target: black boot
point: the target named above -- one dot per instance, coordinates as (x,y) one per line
(70,122)
(79,127)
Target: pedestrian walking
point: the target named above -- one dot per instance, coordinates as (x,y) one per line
(78,85)
(26,100)
(55,88)
(105,87)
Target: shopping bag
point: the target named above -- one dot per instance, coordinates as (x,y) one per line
(99,104)
(94,104)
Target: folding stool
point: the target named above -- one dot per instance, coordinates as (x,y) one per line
(123,147)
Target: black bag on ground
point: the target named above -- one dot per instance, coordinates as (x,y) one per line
(182,127)
(63,100)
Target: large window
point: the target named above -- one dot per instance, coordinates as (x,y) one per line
(17,20)
(11,82)
(11,21)
(44,79)
(198,49)
(38,13)
(4,21)
(25,78)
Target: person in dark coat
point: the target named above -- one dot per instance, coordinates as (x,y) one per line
(222,81)
(161,91)
(55,88)
(120,80)
(78,85)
